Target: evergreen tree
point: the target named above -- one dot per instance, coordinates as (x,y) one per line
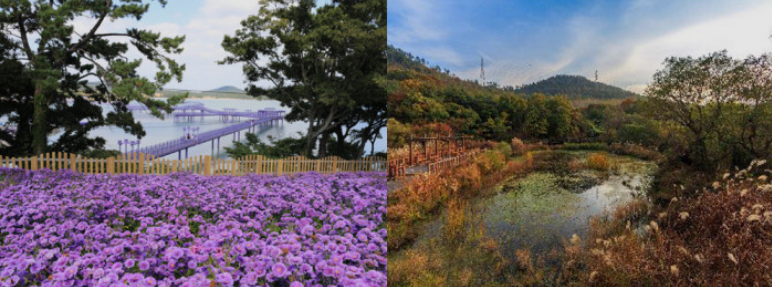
(58,64)
(323,62)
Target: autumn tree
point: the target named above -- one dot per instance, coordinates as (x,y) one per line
(699,95)
(59,61)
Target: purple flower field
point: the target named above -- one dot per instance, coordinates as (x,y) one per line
(71,229)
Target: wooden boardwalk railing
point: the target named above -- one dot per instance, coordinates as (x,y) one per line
(438,167)
(139,163)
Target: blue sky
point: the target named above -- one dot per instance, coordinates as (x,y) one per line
(204,23)
(524,41)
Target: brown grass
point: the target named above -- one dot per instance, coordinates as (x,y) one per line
(721,237)
(424,195)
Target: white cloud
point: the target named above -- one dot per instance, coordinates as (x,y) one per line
(628,55)
(741,34)
(444,54)
(422,22)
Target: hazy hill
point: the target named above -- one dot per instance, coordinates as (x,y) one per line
(575,87)
(228,89)
(224,92)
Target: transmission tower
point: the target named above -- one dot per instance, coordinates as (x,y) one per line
(596,75)
(482,70)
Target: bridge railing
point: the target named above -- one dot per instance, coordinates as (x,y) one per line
(439,166)
(139,163)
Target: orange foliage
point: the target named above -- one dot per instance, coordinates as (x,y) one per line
(598,161)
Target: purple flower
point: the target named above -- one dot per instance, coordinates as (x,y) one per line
(144,265)
(295,260)
(98,273)
(70,272)
(260,272)
(279,270)
(373,276)
(149,282)
(250,278)
(129,263)
(328,271)
(271,229)
(225,279)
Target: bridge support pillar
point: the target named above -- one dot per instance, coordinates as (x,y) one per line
(186,152)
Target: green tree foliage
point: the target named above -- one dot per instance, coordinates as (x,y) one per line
(559,118)
(326,63)
(720,106)
(536,124)
(398,132)
(281,148)
(50,91)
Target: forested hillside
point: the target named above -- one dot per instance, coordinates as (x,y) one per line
(423,99)
(575,87)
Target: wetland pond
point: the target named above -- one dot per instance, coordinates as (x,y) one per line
(541,210)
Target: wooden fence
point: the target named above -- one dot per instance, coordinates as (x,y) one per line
(139,163)
(439,166)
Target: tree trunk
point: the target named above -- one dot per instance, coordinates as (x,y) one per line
(310,138)
(361,147)
(310,142)
(323,145)
(340,138)
(39,136)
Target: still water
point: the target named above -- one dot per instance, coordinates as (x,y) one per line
(162,130)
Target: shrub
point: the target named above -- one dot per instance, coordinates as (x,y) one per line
(504,148)
(518,147)
(598,161)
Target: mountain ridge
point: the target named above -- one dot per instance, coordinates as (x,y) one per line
(576,87)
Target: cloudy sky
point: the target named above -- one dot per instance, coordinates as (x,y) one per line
(523,41)
(204,23)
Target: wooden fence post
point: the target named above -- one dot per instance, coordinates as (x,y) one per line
(259,163)
(111,165)
(142,163)
(208,165)
(34,165)
(280,166)
(72,162)
(233,167)
(334,165)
